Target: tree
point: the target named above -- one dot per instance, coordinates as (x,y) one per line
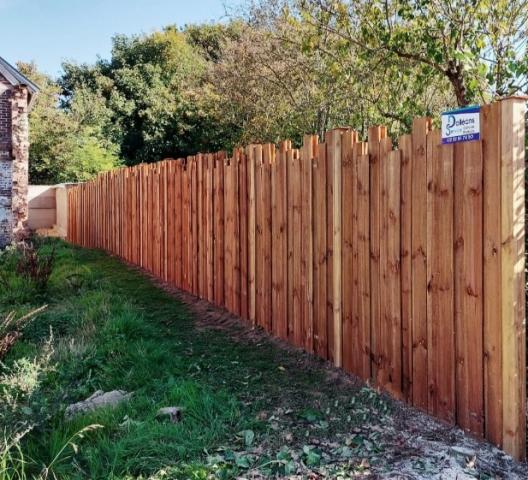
(156,92)
(210,39)
(287,75)
(478,46)
(62,147)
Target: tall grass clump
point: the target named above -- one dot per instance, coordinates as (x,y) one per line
(25,272)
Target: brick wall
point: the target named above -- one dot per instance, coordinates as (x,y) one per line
(14,156)
(6,163)
(20,171)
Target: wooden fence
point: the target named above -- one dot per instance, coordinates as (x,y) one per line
(404,267)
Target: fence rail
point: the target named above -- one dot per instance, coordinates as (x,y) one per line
(404,267)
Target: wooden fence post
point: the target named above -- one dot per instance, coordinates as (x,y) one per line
(308,153)
(336,141)
(512,279)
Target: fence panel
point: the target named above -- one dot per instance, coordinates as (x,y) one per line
(404,266)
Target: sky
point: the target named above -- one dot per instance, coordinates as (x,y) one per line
(51,31)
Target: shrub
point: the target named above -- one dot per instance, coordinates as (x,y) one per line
(35,266)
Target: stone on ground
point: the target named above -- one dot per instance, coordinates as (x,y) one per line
(173,413)
(98,400)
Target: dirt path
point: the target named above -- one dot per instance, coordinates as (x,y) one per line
(385,439)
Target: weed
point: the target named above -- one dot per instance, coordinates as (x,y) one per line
(11,328)
(12,460)
(25,272)
(15,465)
(35,266)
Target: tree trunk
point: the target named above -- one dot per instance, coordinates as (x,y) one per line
(454,74)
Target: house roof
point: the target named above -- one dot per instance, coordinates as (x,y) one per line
(15,78)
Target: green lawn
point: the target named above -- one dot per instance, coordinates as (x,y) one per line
(251,407)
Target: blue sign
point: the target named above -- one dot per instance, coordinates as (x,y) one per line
(462,125)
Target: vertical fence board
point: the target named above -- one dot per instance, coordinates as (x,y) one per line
(186,226)
(178,233)
(308,152)
(490,130)
(405,145)
(229,236)
(165,233)
(156,192)
(320,253)
(149,205)
(142,214)
(468,285)
(390,282)
(296,297)
(513,300)
(195,228)
(243,216)
(375,134)
(250,151)
(259,233)
(200,225)
(421,128)
(337,288)
(219,230)
(441,358)
(210,219)
(169,222)
(236,234)
(259,236)
(381,342)
(350,327)
(266,236)
(279,248)
(361,271)
(330,156)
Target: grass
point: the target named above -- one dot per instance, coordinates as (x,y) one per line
(247,405)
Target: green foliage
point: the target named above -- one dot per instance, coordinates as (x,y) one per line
(65,146)
(88,158)
(478,47)
(155,88)
(210,39)
(12,461)
(14,464)
(291,72)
